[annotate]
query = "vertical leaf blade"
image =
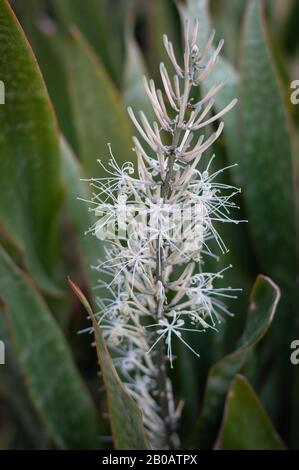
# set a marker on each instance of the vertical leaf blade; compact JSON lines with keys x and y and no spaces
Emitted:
{"x":102,"y":26}
{"x":246,"y":425}
{"x":223,"y":70}
{"x":263,"y":303}
{"x":98,"y":111}
{"x":125,"y":417}
{"x":53,"y":382}
{"x":29,"y":163}
{"x":267,"y":154}
{"x":135,"y":69}
{"x":90,"y":248}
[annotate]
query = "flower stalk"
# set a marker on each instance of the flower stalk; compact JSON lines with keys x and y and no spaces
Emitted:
{"x":158,"y":228}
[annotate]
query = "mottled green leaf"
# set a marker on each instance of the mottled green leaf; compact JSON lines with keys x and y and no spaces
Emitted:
{"x":125,"y":417}
{"x":46,"y":40}
{"x":227,"y":151}
{"x":222,"y":71}
{"x":135,"y":69}
{"x":246,"y":425}
{"x":90,"y":17}
{"x":161,"y":18}
{"x":15,"y":400}
{"x":29,"y":162}
{"x":227,"y":17}
{"x":90,"y":248}
{"x":269,"y":198}
{"x":263,"y":303}
{"x":99,"y":115}
{"x":53,"y":382}
{"x":266,"y":154}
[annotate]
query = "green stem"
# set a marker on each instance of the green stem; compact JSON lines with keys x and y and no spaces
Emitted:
{"x":171,"y":440}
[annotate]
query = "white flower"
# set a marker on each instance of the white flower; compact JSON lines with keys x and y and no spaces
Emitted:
{"x":158,"y":224}
{"x":167,"y":328}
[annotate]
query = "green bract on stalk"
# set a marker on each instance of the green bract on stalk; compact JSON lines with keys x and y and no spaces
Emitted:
{"x":158,"y":227}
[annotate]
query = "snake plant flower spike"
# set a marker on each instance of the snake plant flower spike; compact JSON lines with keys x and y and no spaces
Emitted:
{"x":160,"y":222}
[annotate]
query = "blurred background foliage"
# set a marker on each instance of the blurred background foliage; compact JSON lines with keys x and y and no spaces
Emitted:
{"x":68,"y":80}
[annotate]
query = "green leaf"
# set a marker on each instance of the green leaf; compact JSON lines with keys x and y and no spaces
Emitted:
{"x":227,"y":18}
{"x":246,"y":425}
{"x":259,"y":140}
{"x":29,"y":164}
{"x":15,"y":400}
{"x":227,"y":152}
{"x":267,"y":154}
{"x":269,"y":197}
{"x":290,"y":28}
{"x":126,"y":421}
{"x":90,"y":248}
{"x":135,"y":68}
{"x":295,"y":409}
{"x":223,"y":70}
{"x":53,"y":382}
{"x":263,"y":302}
{"x":98,"y":112}
{"x":161,"y":18}
{"x":46,"y":40}
{"x":91,"y":19}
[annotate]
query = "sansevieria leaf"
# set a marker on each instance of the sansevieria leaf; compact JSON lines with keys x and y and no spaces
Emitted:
{"x":99,"y":115}
{"x":135,"y":69}
{"x":263,"y":303}
{"x":223,"y":71}
{"x":90,"y":248}
{"x":125,"y":417}
{"x":246,"y":425}
{"x":101,"y":25}
{"x":20,"y":407}
{"x":268,"y":191}
{"x":29,"y":153}
{"x":267,"y":154}
{"x":51,"y":377}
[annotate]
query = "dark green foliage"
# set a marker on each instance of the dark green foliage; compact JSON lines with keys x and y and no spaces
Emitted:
{"x":90,"y":57}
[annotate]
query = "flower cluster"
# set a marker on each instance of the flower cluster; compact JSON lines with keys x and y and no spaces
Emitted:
{"x":158,"y":220}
